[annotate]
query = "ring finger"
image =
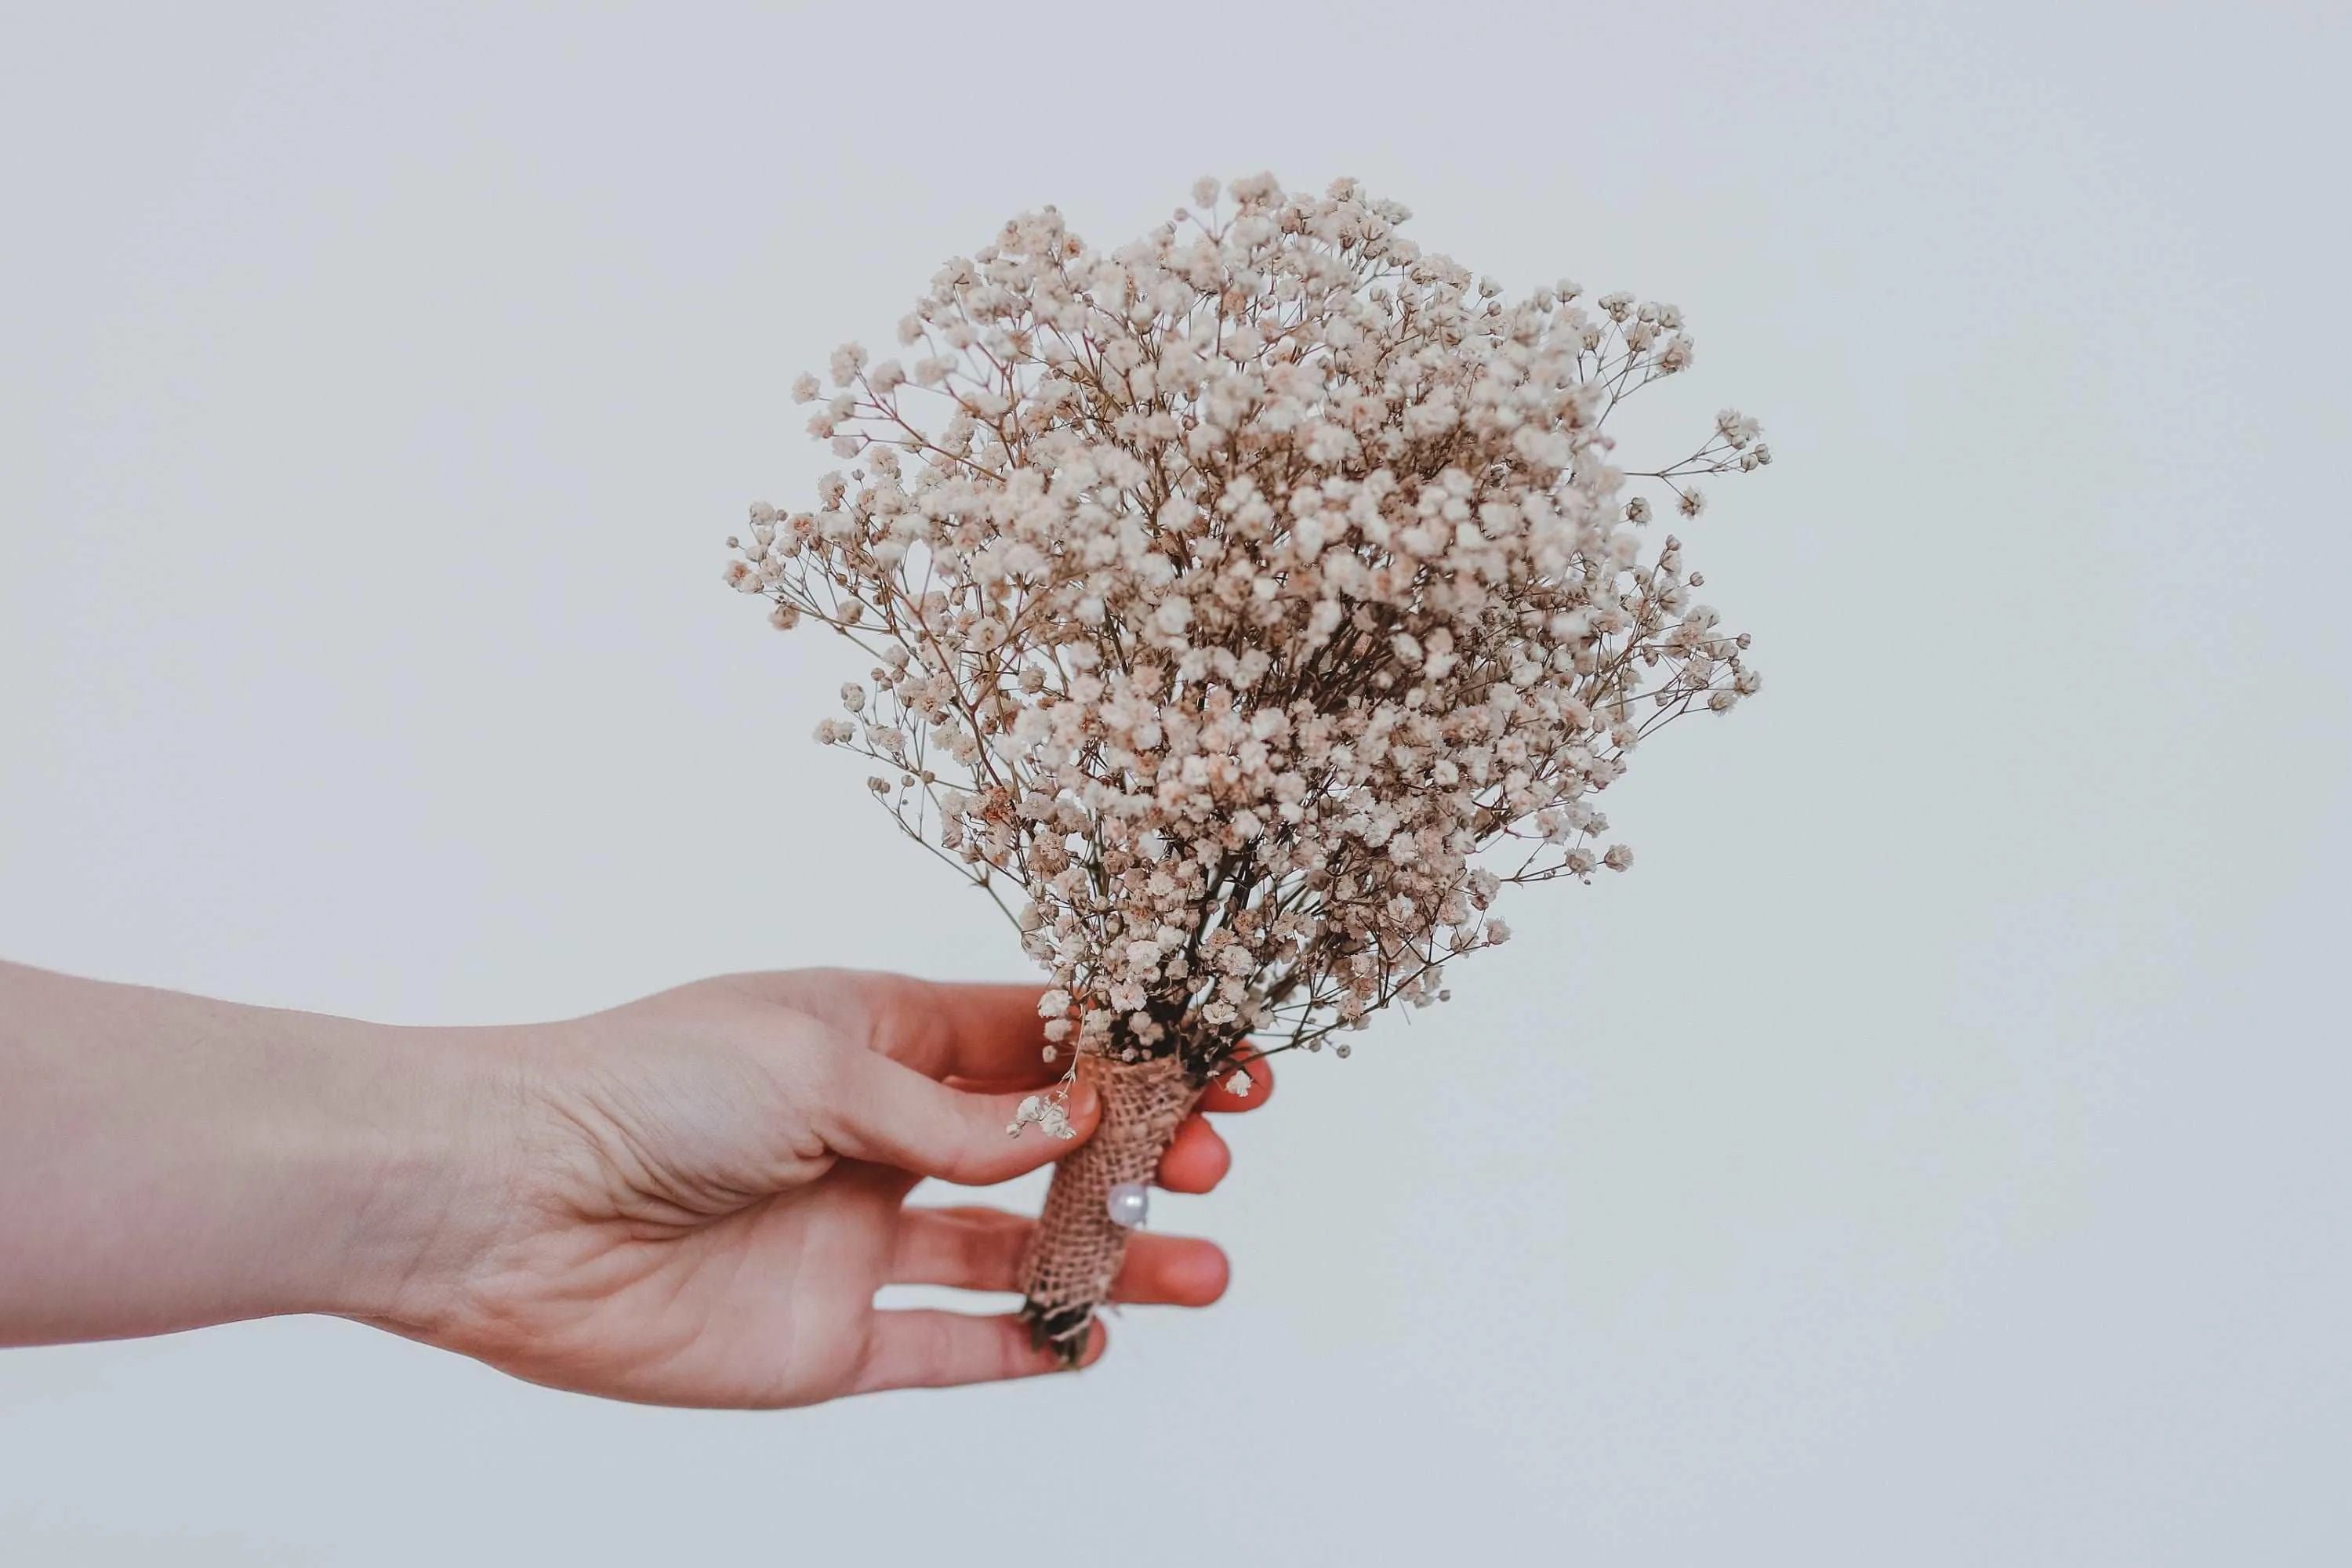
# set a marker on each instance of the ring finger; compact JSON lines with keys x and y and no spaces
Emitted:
{"x":975,"y":1248}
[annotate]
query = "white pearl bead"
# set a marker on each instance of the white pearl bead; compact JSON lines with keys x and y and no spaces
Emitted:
{"x":1128,"y":1203}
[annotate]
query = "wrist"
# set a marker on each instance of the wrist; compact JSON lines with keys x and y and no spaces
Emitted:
{"x":434,"y":1183}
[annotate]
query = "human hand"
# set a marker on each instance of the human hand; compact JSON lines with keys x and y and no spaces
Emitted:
{"x":699,"y":1193}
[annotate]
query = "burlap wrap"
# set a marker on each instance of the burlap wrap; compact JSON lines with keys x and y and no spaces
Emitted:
{"x":1075,"y":1252}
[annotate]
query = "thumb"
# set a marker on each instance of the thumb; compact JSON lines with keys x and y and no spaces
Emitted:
{"x":877,"y":1109}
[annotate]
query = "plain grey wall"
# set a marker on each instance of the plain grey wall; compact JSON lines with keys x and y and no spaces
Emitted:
{"x":1934,"y":1153}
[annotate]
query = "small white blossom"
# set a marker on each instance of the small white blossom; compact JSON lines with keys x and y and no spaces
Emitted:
{"x":1047,"y":1112}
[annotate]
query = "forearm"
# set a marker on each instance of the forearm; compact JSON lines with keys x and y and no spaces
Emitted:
{"x":167,"y":1161}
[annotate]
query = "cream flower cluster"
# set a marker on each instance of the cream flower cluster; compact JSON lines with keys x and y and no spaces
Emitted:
{"x":1249,"y":605}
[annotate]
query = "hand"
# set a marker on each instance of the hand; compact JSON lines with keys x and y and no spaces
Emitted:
{"x":704,"y":1190}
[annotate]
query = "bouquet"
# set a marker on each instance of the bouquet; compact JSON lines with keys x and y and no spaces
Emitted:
{"x":1245,"y":607}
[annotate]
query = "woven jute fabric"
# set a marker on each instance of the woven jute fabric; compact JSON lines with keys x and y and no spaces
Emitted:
{"x":1075,"y":1252}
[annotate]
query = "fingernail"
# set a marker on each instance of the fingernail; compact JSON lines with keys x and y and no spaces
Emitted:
{"x":1084,"y":1099}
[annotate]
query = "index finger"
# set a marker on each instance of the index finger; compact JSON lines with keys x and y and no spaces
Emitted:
{"x":1224,"y":1095}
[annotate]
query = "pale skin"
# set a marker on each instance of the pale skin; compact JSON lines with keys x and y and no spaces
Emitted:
{"x":688,"y":1200}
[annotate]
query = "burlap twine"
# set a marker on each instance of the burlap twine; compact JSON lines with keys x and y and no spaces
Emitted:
{"x":1075,"y":1254}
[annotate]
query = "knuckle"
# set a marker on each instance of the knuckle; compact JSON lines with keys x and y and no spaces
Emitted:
{"x":1002,"y":1248}
{"x":932,"y":1353}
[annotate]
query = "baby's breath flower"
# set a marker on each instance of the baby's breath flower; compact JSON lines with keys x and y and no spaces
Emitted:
{"x":1258,"y":600}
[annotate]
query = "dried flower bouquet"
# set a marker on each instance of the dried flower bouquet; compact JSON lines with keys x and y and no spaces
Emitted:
{"x":1261,"y":599}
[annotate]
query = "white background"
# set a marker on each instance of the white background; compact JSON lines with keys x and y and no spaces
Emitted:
{"x":1933,"y":1152}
